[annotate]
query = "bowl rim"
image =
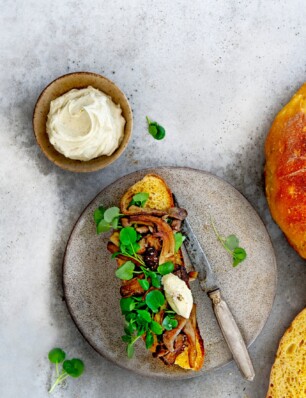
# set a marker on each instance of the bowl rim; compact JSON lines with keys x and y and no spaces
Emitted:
{"x":75,"y":165}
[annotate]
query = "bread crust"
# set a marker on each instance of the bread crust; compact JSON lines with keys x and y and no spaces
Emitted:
{"x":285,"y":170}
{"x":288,"y":373}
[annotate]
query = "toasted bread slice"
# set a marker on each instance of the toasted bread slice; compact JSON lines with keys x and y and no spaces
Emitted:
{"x":288,"y":374}
{"x":160,"y":196}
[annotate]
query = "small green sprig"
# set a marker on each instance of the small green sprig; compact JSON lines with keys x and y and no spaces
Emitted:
{"x":156,"y":130}
{"x":128,"y":244}
{"x":178,"y":239}
{"x":140,"y":199}
{"x":71,"y":367}
{"x":106,"y":219}
{"x":231,"y":245}
{"x":139,"y":316}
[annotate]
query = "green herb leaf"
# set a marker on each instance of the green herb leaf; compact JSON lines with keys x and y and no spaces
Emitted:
{"x":140,"y":199}
{"x":56,"y":355}
{"x":130,"y":350}
{"x":111,"y":213}
{"x":169,"y":323}
{"x":128,"y":235}
{"x":103,"y":226}
{"x":154,"y":300}
{"x":156,"y":130}
{"x":125,"y":272}
{"x":149,"y":340}
{"x":166,"y":268}
{"x":155,"y":279}
{"x":144,"y":314}
{"x":144,"y":284}
{"x":127,"y":304}
{"x":179,"y":239}
{"x":126,"y":338}
{"x":99,"y":214}
{"x":156,"y":327}
{"x":239,"y":255}
{"x":231,"y":242}
{"x":74,"y":367}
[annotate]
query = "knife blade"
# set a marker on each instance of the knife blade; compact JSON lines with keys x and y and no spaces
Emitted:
{"x":198,"y":259}
{"x":208,"y":283}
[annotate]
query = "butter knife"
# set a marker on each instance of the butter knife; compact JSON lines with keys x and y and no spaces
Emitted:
{"x":208,"y":283}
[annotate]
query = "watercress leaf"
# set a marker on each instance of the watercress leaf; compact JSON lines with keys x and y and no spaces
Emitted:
{"x":169,"y":323}
{"x":74,"y":367}
{"x":99,"y":214}
{"x":103,"y":226}
{"x":130,"y":316}
{"x":144,"y":284}
{"x":140,"y":199}
{"x":56,"y":355}
{"x":114,"y":255}
{"x":179,"y":239}
{"x":156,"y":327}
{"x":231,"y":242}
{"x":130,"y":350}
{"x":149,"y":340}
{"x":130,"y":328}
{"x":166,"y":268}
{"x":115,"y":223}
{"x":144,"y":314}
{"x":128,"y":236}
{"x":125,"y":272}
{"x":161,"y":132}
{"x":127,"y":304}
{"x":111,"y":213}
{"x":154,"y":300}
{"x":153,"y":129}
{"x":155,"y":279}
{"x":239,"y":254}
{"x":126,"y":339}
{"x":136,"y":247}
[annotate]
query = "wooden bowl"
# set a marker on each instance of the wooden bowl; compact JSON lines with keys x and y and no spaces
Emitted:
{"x":61,"y":86}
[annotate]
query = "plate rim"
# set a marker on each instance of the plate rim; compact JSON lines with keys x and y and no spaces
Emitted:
{"x":189,"y":375}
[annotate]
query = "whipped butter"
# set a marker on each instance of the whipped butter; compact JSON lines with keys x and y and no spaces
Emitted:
{"x":178,"y":295}
{"x":84,"y":124}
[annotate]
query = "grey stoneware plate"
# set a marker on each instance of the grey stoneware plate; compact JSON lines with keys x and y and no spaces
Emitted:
{"x":92,"y":290}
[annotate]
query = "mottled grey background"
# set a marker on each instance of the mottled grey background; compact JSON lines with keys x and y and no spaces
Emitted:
{"x":214,"y":73}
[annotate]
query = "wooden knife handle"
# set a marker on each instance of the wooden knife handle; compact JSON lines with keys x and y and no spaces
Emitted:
{"x":232,"y":335}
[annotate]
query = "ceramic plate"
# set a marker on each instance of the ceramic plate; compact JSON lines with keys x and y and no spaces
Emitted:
{"x":92,"y":290}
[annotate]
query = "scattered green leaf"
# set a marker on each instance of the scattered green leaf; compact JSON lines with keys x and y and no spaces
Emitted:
{"x":166,"y":268}
{"x":149,"y":340}
{"x":144,"y":283}
{"x":111,"y":213}
{"x":73,"y":367}
{"x":154,"y":300}
{"x":239,"y":255}
{"x":179,"y":239}
{"x":127,"y":304}
{"x":144,"y":314}
{"x":169,"y":322}
{"x":140,"y":199}
{"x":231,"y":245}
{"x":156,"y":327}
{"x":57,"y":355}
{"x":125,"y":272}
{"x":156,"y":130}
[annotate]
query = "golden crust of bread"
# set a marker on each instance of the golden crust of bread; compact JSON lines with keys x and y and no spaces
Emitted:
{"x":160,"y":196}
{"x":288,"y":373}
{"x":285,"y":170}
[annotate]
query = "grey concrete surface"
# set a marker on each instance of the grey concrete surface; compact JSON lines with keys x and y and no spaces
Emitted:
{"x":214,"y":73}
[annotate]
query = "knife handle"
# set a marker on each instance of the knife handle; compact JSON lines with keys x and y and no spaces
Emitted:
{"x":232,"y":335}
